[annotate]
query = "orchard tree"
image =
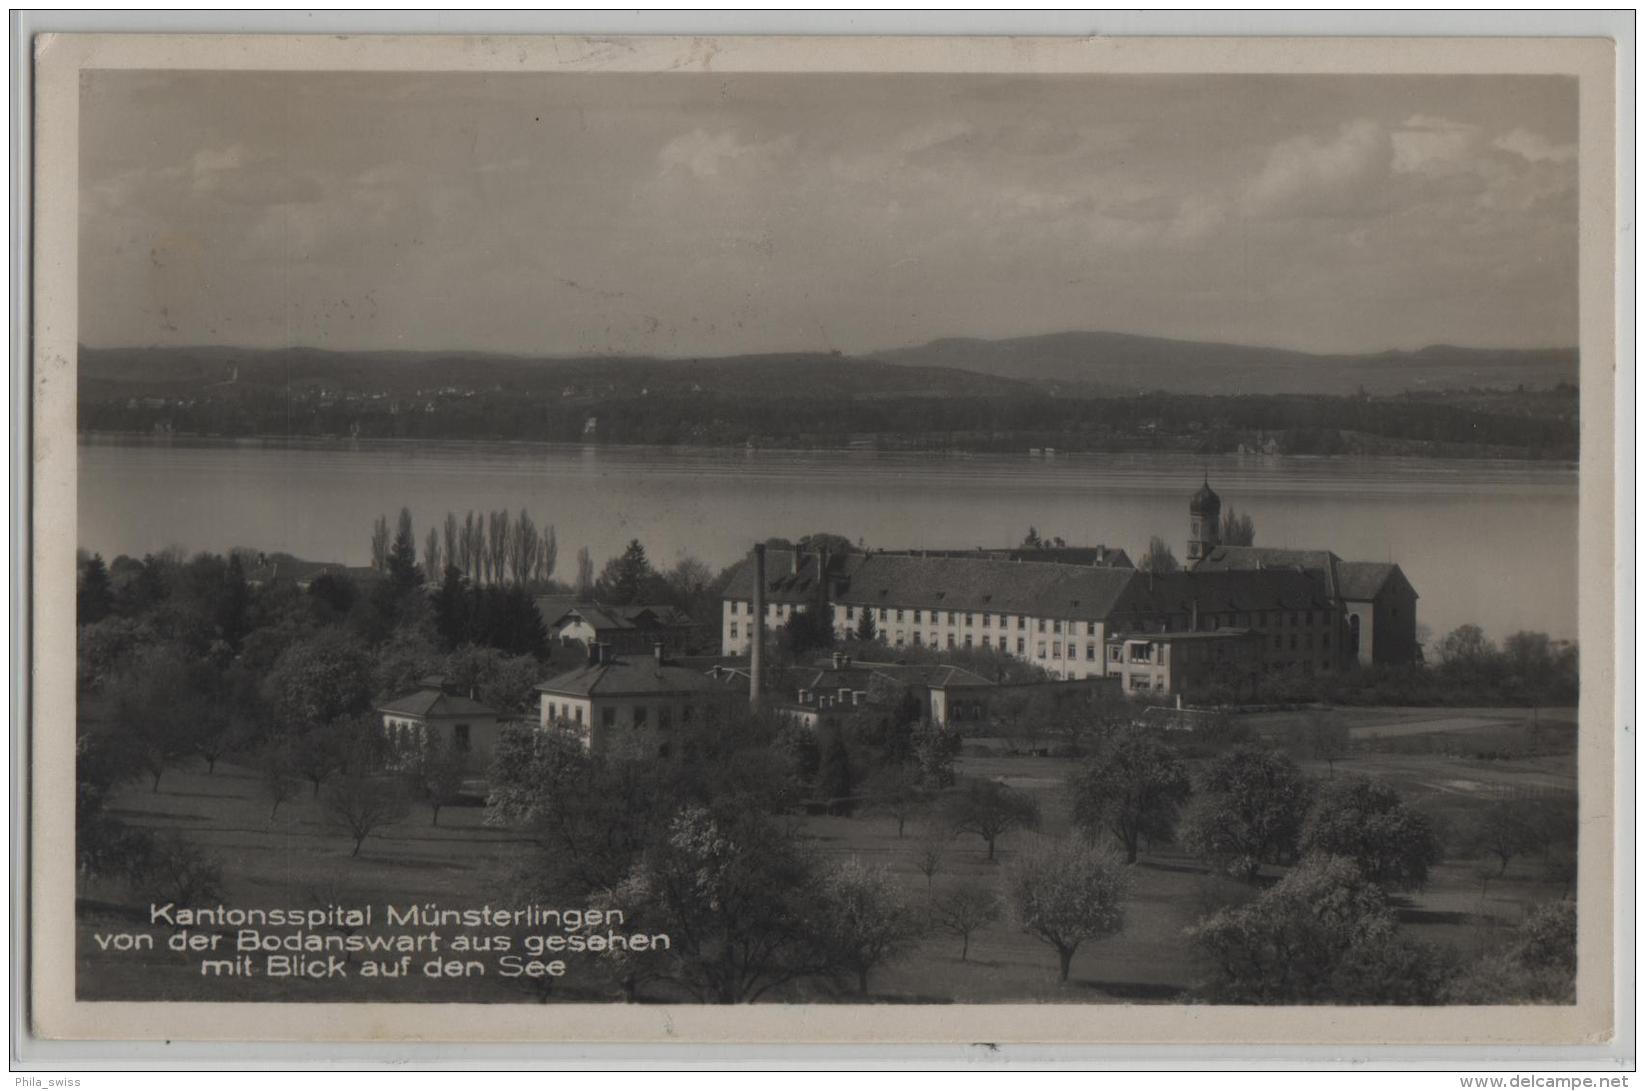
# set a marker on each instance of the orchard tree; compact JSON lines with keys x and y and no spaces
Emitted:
{"x":1366,"y":821}
{"x":1536,"y":966}
{"x":740,"y":899}
{"x":277,"y":775}
{"x":1132,"y":788}
{"x":866,"y":922}
{"x":930,"y":851}
{"x":1321,"y":737}
{"x":359,"y":806}
{"x":1323,"y":934}
{"x":990,"y":810}
{"x":965,"y":910}
{"x":1504,"y":827}
{"x":1248,"y":810}
{"x":1066,"y":893}
{"x":436,"y":773}
{"x":895,"y":791}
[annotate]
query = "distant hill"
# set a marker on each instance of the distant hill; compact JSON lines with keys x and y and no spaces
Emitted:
{"x":144,"y":372}
{"x":1118,"y":363}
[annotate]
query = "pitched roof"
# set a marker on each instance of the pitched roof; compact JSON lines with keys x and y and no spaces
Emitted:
{"x":1362,"y":581}
{"x":968,"y":583}
{"x":1261,"y":558}
{"x":623,"y":676}
{"x":1219,"y":592}
{"x":429,"y":703}
{"x":637,"y":616}
{"x":1359,"y":581}
{"x":1079,"y":556}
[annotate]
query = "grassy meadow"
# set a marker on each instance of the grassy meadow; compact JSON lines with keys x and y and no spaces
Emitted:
{"x":1444,"y":760}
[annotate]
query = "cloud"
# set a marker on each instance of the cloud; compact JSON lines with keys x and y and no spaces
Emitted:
{"x":1309,"y":176}
{"x":1433,"y":144}
{"x":1535,"y":147}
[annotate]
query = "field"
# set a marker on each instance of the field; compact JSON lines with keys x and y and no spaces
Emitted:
{"x":293,"y":859}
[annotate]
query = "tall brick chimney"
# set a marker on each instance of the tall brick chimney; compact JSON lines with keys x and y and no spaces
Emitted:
{"x":756,"y":638}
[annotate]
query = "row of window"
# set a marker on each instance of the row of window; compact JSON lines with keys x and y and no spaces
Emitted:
{"x":638,"y":715}
{"x":937,"y":617}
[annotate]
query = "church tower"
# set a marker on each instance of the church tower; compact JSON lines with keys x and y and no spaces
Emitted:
{"x":1204,"y":523}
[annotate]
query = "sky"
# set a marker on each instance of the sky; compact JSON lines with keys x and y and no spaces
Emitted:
{"x":704,"y":214}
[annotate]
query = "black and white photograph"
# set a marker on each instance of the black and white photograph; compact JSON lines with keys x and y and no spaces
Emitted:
{"x":658,"y":536}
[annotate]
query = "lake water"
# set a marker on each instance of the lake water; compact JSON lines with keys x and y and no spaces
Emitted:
{"x":1492,"y":543}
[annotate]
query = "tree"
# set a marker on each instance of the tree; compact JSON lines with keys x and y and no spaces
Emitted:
{"x":315,"y":756}
{"x":277,"y":774}
{"x":626,"y":576}
{"x":990,"y":809}
{"x":1248,"y":810}
{"x":740,"y":900}
{"x":167,"y":868}
{"x":834,"y":775}
{"x":866,"y":921}
{"x":404,"y":573}
{"x":157,"y":705}
{"x":585,"y":576}
{"x":930,"y":851}
{"x":867,"y":630}
{"x":94,"y":599}
{"x":1065,"y":893}
{"x":806,"y":631}
{"x":319,"y":679}
{"x":436,"y":773}
{"x":894,"y":790}
{"x":360,"y":805}
{"x":1321,"y":737}
{"x":1536,"y":966}
{"x":379,"y":544}
{"x":234,"y":604}
{"x":1133,"y":788}
{"x":453,"y":612}
{"x":1158,"y":558}
{"x":934,"y":749}
{"x":1466,"y":646}
{"x":1505,"y":827}
{"x":1323,"y":934}
{"x":1366,"y":821}
{"x":1237,"y":529}
{"x":433,"y":559}
{"x":548,"y":555}
{"x":965,"y":910}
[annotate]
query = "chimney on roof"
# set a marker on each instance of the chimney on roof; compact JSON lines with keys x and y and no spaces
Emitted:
{"x":593,"y":653}
{"x":794,"y":561}
{"x":839,"y":660}
{"x":756,"y":644}
{"x":657,"y":651}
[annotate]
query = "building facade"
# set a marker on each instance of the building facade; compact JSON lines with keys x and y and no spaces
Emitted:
{"x":1299,"y":610}
{"x":634,"y":706}
{"x":1378,"y":602}
{"x":452,"y":719}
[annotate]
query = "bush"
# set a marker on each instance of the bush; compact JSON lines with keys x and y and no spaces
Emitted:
{"x":167,"y":868}
{"x":1367,"y":822}
{"x":1538,"y":966}
{"x":1323,"y":934}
